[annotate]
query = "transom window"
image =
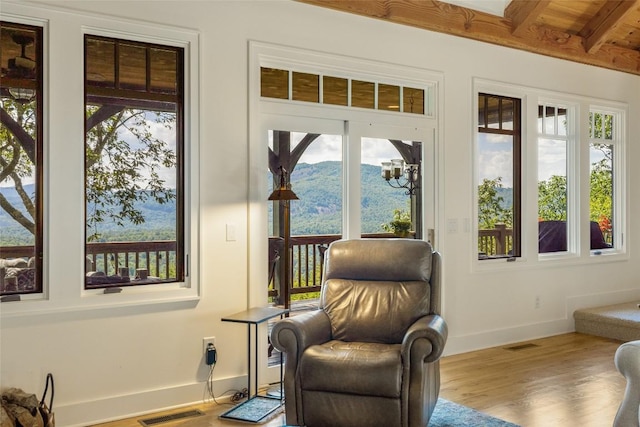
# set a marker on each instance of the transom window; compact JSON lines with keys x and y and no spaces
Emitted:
{"x":326,"y":89}
{"x":134,"y":185}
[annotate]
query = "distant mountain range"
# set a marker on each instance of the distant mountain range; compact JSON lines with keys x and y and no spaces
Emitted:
{"x":318,"y":210}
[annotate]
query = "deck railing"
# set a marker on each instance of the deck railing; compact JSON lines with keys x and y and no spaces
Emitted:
{"x":158,"y":257}
{"x":495,"y":241}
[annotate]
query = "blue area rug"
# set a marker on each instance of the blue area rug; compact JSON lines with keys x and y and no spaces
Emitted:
{"x":450,"y":414}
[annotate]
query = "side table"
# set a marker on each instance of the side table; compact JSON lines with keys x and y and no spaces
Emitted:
{"x":256,"y":407}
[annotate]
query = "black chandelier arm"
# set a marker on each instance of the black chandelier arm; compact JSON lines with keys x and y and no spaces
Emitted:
{"x":411,"y":188}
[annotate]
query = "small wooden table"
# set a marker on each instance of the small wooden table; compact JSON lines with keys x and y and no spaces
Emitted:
{"x":255,"y":408}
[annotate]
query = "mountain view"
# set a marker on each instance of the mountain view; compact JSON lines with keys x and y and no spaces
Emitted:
{"x":318,"y":210}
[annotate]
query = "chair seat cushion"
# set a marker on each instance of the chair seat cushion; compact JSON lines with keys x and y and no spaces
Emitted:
{"x":369,"y":369}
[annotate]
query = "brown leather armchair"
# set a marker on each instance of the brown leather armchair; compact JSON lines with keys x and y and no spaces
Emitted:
{"x":370,"y":355}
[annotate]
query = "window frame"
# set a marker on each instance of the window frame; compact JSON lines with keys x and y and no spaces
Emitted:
{"x":148,"y":100}
{"x":517,"y":134}
{"x":39,"y":28}
{"x":64,"y":271}
{"x":578,"y":179}
{"x":572,"y":178}
{"x":620,"y":176}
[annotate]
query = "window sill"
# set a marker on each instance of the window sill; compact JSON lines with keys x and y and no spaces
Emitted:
{"x":170,"y":297}
{"x":550,"y":260}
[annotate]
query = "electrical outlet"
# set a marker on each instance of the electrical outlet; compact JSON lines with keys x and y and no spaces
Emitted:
{"x":206,"y":341}
{"x":537,"y":301}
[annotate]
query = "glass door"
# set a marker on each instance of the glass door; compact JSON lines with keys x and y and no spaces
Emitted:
{"x":396,"y":189}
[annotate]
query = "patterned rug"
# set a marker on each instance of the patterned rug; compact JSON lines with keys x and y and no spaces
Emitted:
{"x":450,"y":414}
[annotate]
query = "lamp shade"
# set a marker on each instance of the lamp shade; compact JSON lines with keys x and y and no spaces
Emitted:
{"x":283,"y":194}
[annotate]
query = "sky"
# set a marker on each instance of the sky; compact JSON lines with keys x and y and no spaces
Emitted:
{"x":329,"y":148}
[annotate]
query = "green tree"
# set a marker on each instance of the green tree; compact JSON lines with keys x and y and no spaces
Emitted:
{"x":17,"y":158}
{"x":123,"y":159}
{"x":601,"y":195}
{"x":118,"y":173}
{"x":552,"y":199}
{"x":490,"y":205}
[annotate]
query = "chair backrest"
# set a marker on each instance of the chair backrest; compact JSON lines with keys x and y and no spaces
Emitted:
{"x":374,"y":289}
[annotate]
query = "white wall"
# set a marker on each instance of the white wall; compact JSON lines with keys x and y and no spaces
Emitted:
{"x":110,"y":363}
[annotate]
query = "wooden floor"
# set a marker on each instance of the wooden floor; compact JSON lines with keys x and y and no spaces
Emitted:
{"x":565,"y":381}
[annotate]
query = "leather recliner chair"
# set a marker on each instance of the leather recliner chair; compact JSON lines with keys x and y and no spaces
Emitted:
{"x":370,"y":355}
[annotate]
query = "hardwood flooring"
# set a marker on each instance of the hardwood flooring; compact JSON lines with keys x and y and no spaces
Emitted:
{"x":566,"y":380}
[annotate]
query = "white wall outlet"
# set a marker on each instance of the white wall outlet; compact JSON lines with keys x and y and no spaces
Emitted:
{"x":206,"y":342}
{"x":537,"y":301}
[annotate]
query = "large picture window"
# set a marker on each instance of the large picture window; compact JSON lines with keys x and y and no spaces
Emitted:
{"x":134,"y":154}
{"x":559,"y":194}
{"x":21,"y":163}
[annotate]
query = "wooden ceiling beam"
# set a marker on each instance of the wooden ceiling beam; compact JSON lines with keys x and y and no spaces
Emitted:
{"x":597,"y":31}
{"x":524,"y":13}
{"x":446,"y":18}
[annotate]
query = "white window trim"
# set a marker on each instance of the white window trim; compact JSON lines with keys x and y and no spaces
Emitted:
{"x":573,"y":182}
{"x":530,"y":258}
{"x":66,"y":294}
{"x":620,"y":179}
{"x":291,"y":58}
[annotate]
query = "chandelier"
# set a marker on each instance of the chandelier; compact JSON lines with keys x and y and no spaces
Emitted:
{"x":401,"y":175}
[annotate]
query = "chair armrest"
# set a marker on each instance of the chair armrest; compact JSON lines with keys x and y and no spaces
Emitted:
{"x":431,"y":328}
{"x":293,"y":335}
{"x":627,"y":360}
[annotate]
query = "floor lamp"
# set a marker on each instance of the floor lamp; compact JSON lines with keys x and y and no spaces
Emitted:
{"x":284,"y":195}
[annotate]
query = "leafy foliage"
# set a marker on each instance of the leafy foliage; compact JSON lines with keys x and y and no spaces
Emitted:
{"x":17,"y":163}
{"x":123,"y":162}
{"x":401,"y":223}
{"x":123,"y":159}
{"x":552,"y":199}
{"x":492,"y":209}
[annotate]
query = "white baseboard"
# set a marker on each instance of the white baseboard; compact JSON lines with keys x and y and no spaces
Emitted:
{"x":457,"y":344}
{"x":113,"y":408}
{"x":495,"y":338}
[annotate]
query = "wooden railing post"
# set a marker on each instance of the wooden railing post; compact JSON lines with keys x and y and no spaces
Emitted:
{"x":501,"y":239}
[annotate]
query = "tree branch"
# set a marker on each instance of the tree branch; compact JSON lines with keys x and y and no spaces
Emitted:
{"x":24,"y":139}
{"x":102,"y":114}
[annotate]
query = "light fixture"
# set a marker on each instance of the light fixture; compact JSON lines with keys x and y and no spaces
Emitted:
{"x":284,"y":194}
{"x":404,"y":175}
{"x":22,"y":95}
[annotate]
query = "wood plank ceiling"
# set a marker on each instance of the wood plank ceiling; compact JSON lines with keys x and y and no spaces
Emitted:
{"x":603,"y":33}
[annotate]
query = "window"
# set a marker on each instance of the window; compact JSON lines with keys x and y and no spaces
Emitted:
{"x":390,"y":205}
{"x":552,"y":178}
{"x":604,"y":145}
{"x":21,"y":164}
{"x":274,"y":83}
{"x":134,"y":154}
{"x":498,"y":192}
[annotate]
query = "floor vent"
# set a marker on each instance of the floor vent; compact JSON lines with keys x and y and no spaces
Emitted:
{"x":172,"y":417}
{"x":521,"y":347}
